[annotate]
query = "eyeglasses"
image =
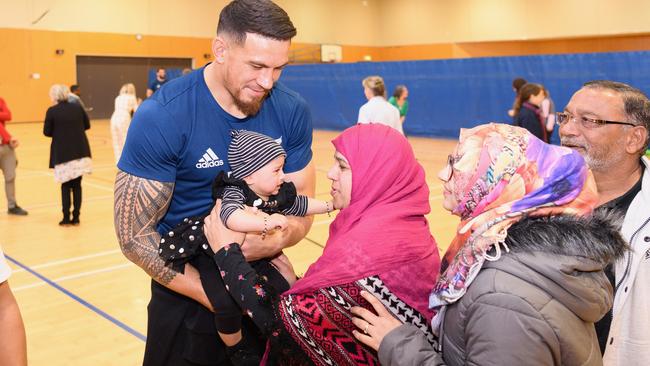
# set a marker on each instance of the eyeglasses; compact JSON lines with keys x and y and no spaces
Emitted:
{"x":586,"y":122}
{"x":450,"y":167}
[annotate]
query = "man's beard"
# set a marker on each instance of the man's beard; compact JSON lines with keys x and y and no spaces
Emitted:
{"x":597,"y":159}
{"x":250,"y":108}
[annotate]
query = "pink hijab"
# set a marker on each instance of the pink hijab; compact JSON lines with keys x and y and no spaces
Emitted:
{"x":383,"y":231}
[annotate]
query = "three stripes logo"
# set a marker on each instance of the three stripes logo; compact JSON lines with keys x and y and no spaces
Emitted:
{"x":209,"y":160}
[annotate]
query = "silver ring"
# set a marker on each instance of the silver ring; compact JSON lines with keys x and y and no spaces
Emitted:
{"x":365,"y":330}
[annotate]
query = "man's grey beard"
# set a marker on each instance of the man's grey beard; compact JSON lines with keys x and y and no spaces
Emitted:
{"x":250,"y":108}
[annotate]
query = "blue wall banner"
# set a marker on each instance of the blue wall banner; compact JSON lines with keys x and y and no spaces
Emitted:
{"x":445,"y":95}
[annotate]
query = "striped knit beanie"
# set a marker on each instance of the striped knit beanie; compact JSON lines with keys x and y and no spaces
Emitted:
{"x":250,"y":151}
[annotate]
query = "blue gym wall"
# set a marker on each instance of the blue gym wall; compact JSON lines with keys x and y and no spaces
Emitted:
{"x":445,"y":95}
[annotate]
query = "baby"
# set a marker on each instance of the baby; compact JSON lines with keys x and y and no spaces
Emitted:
{"x":256,"y":180}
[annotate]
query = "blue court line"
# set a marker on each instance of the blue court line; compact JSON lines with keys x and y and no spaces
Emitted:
{"x":78,"y":299}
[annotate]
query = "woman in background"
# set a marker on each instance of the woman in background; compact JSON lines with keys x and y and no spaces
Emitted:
{"x":378,"y":110}
{"x":527,"y":110}
{"x":66,"y":123}
{"x":548,"y":116}
{"x":125,"y":105}
{"x":400,"y":102}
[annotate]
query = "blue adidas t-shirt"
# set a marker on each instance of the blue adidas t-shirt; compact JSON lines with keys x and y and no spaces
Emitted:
{"x":181,"y":135}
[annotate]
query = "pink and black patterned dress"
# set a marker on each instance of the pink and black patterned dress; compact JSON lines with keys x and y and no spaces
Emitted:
{"x":313,"y":328}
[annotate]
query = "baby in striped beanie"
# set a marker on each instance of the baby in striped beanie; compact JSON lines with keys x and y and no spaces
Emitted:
{"x":256,"y":180}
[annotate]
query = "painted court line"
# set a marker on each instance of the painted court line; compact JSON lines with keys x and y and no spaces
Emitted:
{"x":45,"y":205}
{"x":79,"y":300}
{"x":74,"y":276}
{"x":71,"y":260}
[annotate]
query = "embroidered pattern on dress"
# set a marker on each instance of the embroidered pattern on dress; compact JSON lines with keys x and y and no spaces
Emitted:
{"x":321,"y":322}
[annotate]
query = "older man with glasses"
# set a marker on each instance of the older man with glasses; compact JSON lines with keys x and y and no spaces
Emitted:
{"x":608,"y":123}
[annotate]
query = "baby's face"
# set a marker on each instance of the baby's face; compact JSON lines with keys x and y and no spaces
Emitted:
{"x":267,"y":180}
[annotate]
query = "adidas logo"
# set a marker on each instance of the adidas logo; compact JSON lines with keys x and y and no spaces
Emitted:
{"x":209,"y":160}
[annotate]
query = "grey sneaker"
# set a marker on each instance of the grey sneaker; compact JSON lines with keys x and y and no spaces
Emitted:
{"x":17,"y":211}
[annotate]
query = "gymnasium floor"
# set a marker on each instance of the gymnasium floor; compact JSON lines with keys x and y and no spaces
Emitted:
{"x":82,"y":302}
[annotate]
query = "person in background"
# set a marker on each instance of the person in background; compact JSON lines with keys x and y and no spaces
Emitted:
{"x":607,"y":122}
{"x":66,"y":123}
{"x":75,"y":97}
{"x":547,"y":110}
{"x":517,"y":83}
{"x":13,"y":347}
{"x":377,"y":109}
{"x":126,"y":103}
{"x":400,"y":102}
{"x":527,"y":110}
{"x":523,"y":281}
{"x":8,"y":161}
{"x":161,"y":78}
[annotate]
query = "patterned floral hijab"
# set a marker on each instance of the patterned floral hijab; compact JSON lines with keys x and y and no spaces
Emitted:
{"x":501,"y":174}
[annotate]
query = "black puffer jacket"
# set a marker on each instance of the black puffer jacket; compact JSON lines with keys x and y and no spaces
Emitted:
{"x":534,"y":306}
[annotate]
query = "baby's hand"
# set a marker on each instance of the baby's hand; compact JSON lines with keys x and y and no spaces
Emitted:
{"x":277,"y":221}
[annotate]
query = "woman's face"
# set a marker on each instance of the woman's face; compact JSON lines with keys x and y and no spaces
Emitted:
{"x":341,"y":176}
{"x":446,"y":175}
{"x":537,"y":99}
{"x":405,"y":94}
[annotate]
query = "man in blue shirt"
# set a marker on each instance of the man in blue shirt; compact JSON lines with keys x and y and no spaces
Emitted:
{"x":156,"y":83}
{"x":176,"y":145}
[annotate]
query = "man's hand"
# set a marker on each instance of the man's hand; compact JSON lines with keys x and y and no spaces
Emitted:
{"x":201,"y":297}
{"x":284,"y":266}
{"x":14,"y":143}
{"x":276,"y":221}
{"x":217,"y":233}
{"x":255,"y":247}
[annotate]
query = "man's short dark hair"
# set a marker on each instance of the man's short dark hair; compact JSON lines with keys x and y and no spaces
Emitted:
{"x":74,"y":88}
{"x":261,"y":17}
{"x":635,"y":103}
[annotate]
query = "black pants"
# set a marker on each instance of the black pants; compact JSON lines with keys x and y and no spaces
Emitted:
{"x":74,"y":187}
{"x":228,"y":315}
{"x":181,"y":332}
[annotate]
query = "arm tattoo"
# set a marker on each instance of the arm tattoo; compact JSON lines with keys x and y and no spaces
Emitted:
{"x":139,"y":205}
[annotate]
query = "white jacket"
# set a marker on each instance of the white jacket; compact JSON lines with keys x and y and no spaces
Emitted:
{"x":378,"y":110}
{"x":629,"y":336}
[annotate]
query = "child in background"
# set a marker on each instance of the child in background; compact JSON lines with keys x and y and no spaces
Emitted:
{"x":255,"y":180}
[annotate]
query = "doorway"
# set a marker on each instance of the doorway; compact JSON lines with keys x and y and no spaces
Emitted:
{"x":100,"y":78}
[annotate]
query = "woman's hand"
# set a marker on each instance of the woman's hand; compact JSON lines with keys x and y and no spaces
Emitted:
{"x":217,"y":233}
{"x":373,"y":327}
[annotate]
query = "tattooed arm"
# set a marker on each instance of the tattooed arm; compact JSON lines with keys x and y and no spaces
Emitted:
{"x":139,"y":205}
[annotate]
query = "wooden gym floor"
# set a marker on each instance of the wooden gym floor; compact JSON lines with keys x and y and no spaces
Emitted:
{"x":82,"y":302}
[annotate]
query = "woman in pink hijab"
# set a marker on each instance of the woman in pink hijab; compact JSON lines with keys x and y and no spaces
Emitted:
{"x":379,"y":243}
